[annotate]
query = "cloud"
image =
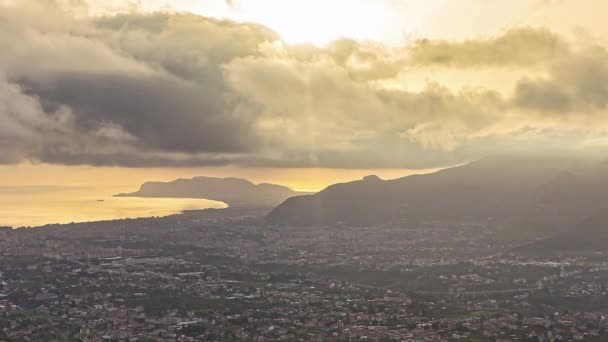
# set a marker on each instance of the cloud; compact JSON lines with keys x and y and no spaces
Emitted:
{"x":575,"y":85}
{"x":135,"y":74}
{"x":232,"y":4}
{"x":175,"y":89}
{"x":159,"y":112}
{"x":519,"y":47}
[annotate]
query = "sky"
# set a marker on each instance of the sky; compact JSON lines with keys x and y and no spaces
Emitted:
{"x":302,"y":92}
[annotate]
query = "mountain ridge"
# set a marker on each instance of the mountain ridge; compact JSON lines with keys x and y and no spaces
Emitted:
{"x":236,"y":192}
{"x":521,"y":193}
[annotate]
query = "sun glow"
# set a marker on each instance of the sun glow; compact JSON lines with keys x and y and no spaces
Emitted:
{"x":315,"y":22}
{"x":320,"y":21}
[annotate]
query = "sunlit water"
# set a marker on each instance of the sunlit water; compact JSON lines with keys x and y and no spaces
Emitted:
{"x":35,"y":206}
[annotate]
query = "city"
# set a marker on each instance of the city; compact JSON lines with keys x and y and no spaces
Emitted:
{"x":218,"y":276}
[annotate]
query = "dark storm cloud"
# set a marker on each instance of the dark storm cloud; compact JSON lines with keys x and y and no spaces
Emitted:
{"x":160,"y":91}
{"x":160,"y":112}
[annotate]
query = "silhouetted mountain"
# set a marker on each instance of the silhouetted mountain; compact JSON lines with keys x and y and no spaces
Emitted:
{"x":525,"y":194}
{"x":235,"y":192}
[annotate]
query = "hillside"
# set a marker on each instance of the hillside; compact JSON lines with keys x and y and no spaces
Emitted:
{"x":589,"y":236}
{"x":525,"y":193}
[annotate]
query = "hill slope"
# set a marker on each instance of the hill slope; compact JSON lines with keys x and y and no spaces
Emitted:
{"x":523,"y":192}
{"x":589,"y":236}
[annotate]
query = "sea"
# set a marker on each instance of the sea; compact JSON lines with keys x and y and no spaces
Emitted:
{"x":31,"y":206}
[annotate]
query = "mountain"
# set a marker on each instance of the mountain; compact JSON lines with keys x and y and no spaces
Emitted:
{"x":235,"y":192}
{"x":524,"y":193}
{"x":589,"y":236}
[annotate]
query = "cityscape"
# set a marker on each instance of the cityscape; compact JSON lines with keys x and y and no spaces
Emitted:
{"x":229,"y":277}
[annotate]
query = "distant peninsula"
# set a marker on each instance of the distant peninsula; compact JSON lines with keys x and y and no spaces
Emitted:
{"x":235,"y":192}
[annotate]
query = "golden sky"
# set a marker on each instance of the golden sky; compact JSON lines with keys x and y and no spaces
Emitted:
{"x":389,"y":21}
{"x":113,"y":180}
{"x":302,"y":92}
